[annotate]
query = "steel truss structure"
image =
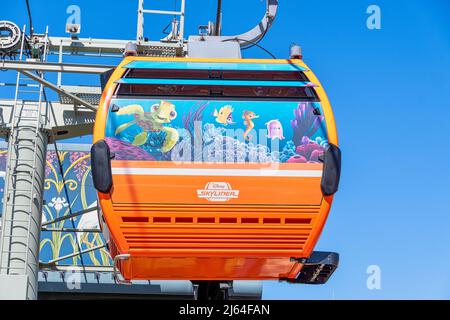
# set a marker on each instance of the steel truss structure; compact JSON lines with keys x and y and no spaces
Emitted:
{"x":29,"y":122}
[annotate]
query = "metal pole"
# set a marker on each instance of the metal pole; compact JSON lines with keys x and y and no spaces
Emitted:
{"x":71,"y":230}
{"x":39,"y":66}
{"x":73,"y":215}
{"x":218,"y":18}
{"x":183,"y":8}
{"x":76,"y":254}
{"x":60,"y":59}
{"x":24,"y":191}
{"x":22,"y":217}
{"x":140,"y":23}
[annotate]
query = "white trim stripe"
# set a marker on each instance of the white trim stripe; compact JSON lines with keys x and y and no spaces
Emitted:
{"x":218,"y":172}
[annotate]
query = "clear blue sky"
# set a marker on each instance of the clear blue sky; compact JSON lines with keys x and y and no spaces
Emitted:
{"x":390,"y":90}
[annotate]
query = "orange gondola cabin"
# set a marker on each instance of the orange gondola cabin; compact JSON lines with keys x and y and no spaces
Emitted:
{"x":214,"y":169}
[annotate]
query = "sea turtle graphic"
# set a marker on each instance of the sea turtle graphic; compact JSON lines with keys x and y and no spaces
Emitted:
{"x":153,"y":121}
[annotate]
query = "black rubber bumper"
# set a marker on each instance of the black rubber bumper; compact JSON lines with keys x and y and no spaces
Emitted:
{"x":331,"y":170}
{"x":101,"y":166}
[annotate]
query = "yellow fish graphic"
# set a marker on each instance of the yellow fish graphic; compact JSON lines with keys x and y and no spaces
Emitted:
{"x":224,"y":115}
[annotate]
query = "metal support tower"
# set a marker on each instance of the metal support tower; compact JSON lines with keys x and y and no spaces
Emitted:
{"x":21,"y":225}
{"x":178,"y":35}
{"x":29,"y":123}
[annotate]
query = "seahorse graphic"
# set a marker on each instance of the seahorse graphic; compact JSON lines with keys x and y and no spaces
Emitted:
{"x":249,"y":116}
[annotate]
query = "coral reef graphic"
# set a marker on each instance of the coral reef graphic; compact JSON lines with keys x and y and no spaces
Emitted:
{"x":304,"y":148}
{"x":210,"y":132}
{"x":222,"y":148}
{"x":126,"y":151}
{"x":308,"y":151}
{"x":311,"y":151}
{"x":195,"y":114}
{"x":287,"y":152}
{"x":305,"y":123}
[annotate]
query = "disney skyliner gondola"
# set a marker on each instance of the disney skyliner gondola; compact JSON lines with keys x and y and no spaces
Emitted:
{"x":214,"y":168}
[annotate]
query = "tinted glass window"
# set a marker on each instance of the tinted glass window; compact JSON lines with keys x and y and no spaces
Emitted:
{"x":215,"y":74}
{"x":299,"y":93}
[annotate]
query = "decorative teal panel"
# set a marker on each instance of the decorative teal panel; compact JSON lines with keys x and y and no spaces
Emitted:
{"x":67,"y":190}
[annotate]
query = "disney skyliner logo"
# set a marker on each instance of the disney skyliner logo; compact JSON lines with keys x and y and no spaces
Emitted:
{"x":218,"y":192}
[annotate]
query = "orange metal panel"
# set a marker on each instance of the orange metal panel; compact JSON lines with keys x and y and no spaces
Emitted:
{"x":183,"y":190}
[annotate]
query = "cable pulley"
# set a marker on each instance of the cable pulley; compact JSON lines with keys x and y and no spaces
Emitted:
{"x":10,"y":36}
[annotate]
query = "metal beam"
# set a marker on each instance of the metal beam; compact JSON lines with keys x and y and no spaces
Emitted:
{"x":43,"y":266}
{"x":71,"y":230}
{"x":95,"y":283}
{"x":68,"y":44}
{"x":53,"y":67}
{"x":170,"y":13}
{"x":98,"y":282}
{"x":50,"y":85}
{"x":68,"y":256}
{"x":64,"y":121}
{"x":108,"y":46}
{"x":69,"y":216}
